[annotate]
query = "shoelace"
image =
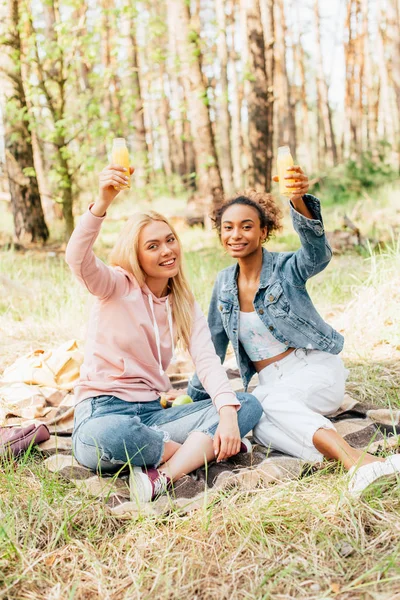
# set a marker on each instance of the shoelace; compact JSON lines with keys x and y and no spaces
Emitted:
{"x":160,"y":485}
{"x":157,"y":332}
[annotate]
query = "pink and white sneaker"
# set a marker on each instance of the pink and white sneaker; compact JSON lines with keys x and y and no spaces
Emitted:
{"x":146,"y":485}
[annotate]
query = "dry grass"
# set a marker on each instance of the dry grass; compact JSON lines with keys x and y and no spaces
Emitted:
{"x":299,"y":539}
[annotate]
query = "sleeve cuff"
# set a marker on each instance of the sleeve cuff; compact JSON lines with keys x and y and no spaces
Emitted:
{"x":89,"y":221}
{"x":314,"y":206}
{"x":226,"y":399}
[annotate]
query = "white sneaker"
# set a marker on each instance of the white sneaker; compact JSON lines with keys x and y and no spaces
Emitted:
{"x":363,"y":477}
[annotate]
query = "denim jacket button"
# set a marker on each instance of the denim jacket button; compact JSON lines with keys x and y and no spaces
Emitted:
{"x":271,"y":298}
{"x":261,"y":312}
{"x":270,"y":328}
{"x":220,"y":307}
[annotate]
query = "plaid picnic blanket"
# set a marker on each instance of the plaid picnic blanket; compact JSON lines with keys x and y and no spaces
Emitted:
{"x":38,"y":389}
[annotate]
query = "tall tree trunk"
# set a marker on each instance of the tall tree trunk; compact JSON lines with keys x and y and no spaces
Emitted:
{"x":394,"y":24}
{"x":223,"y":121}
{"x":111,"y":81}
{"x":177,"y":101}
{"x":55,"y":96}
{"x":269,"y":43}
{"x":394,"y":11}
{"x":285,"y":108}
{"x":300,"y":69}
{"x":189,"y":152}
{"x":259,"y":117}
{"x":347,"y":148}
{"x":140,"y":146}
{"x":236,"y":133}
{"x":209,"y":182}
{"x":29,"y":222}
{"x":244,"y":90}
{"x":368,"y":81}
{"x":50,"y":208}
{"x":322,"y":89}
{"x":165,"y":129}
{"x":385,"y":122}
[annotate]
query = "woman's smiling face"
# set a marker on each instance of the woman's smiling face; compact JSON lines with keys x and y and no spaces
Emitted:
{"x":159,"y":252}
{"x":241,"y":231}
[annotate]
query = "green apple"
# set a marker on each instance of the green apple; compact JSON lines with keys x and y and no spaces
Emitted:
{"x":181,"y":400}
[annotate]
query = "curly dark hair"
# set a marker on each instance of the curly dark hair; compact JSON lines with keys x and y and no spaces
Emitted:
{"x":269,"y":212}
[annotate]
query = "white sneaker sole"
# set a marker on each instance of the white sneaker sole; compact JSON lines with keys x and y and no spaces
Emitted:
{"x":382,"y":474}
{"x":140,"y":487}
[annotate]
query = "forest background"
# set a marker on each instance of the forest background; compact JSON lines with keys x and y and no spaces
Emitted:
{"x":204,"y":92}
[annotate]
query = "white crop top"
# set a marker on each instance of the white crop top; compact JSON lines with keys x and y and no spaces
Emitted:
{"x":256,"y":339}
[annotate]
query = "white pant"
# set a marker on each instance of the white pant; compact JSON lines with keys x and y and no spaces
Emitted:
{"x":296,"y":392}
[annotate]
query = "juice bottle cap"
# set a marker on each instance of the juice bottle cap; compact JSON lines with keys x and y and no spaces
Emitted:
{"x":119,"y":142}
{"x":283,"y":150}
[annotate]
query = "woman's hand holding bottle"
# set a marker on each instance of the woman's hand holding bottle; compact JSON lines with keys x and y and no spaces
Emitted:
{"x":111,"y":180}
{"x":297,"y":182}
{"x":293,"y":183}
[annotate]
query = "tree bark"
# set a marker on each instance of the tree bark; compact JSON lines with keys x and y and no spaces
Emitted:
{"x":244,"y":92}
{"x":223,"y":122}
{"x":52,"y":82}
{"x":385,"y":120}
{"x":111,"y":82}
{"x":208,"y":178}
{"x":29,"y":222}
{"x":368,"y":82}
{"x":177,"y":100}
{"x":269,"y":43}
{"x":285,"y":108}
{"x":322,"y":89}
{"x":236,"y":126}
{"x":260,"y":134}
{"x":140,"y":145}
{"x":300,"y":69}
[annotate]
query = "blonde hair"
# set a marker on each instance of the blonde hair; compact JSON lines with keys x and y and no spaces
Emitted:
{"x":125,"y":255}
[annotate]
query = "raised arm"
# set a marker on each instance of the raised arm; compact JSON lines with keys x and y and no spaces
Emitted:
{"x":315,"y":252}
{"x":100,"y":280}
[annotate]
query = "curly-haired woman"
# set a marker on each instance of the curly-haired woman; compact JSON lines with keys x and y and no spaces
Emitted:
{"x":261,"y":305}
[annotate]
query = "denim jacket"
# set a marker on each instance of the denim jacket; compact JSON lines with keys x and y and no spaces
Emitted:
{"x":281,"y":301}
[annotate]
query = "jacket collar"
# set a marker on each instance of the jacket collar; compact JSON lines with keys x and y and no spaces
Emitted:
{"x":266,"y":272}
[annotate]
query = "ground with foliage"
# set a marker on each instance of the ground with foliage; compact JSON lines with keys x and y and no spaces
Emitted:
{"x":301,"y":539}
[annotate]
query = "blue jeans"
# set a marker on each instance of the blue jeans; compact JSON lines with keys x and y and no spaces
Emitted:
{"x":109,"y":432}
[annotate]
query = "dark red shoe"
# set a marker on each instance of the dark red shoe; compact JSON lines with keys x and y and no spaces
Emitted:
{"x":246,"y":446}
{"x":147,"y":484}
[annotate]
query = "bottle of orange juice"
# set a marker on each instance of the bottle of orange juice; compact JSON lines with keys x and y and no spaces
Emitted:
{"x":120,"y":156}
{"x":284,"y":161}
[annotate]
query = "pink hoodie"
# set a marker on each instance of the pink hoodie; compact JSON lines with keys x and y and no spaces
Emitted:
{"x":129,"y":343}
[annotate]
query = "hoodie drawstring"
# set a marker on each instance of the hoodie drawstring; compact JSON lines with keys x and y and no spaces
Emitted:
{"x":171,"y":329}
{"x":157,"y":331}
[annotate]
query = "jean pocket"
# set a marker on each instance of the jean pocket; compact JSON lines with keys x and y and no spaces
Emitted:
{"x":276,"y":301}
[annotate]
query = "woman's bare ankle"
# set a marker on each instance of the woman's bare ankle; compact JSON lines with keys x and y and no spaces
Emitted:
{"x":169,"y":450}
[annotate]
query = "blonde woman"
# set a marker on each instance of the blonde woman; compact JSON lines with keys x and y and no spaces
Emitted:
{"x":143,"y":308}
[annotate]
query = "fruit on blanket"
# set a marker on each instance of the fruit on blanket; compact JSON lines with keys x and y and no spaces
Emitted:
{"x":181,"y":400}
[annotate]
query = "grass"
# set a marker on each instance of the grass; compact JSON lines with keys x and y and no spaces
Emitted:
{"x":298,"y":539}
